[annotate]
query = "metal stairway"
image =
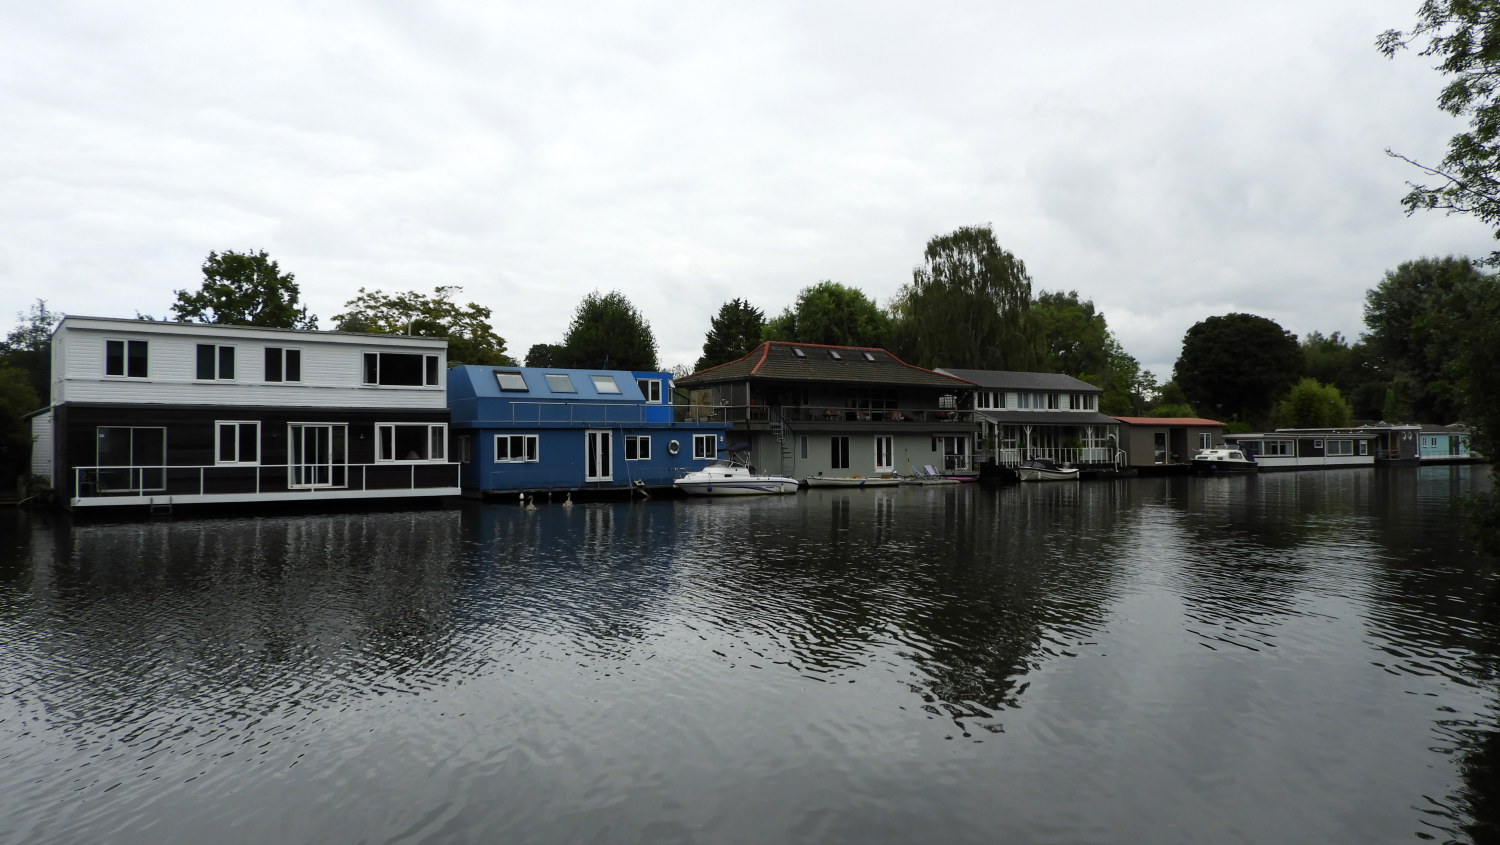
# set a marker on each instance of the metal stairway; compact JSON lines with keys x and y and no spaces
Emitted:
{"x":782,"y":434}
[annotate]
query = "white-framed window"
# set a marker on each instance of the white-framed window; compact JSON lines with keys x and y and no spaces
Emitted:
{"x":637,"y":447}
{"x":705,"y":447}
{"x":1205,"y":440}
{"x":885,"y":453}
{"x":651,"y":389}
{"x":1279,"y":448}
{"x":236,"y":443}
{"x":1364,"y":447}
{"x":283,"y":364}
{"x":516,"y":448}
{"x":317,"y":455}
{"x":1341,"y":447}
{"x":1317,"y":444}
{"x":215,"y":362}
{"x":409,"y":442}
{"x":838,"y":452}
{"x":605,"y":384}
{"x":1023,"y":401}
{"x":126,"y":358}
{"x":401,"y":369}
{"x":1053,"y":400}
{"x":560,"y":383}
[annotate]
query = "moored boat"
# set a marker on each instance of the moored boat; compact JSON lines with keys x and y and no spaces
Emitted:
{"x":726,"y":478}
{"x":1223,"y":459}
{"x":1041,"y":469}
{"x":852,"y":481}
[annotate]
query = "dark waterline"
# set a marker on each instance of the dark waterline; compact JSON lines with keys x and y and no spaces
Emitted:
{"x":1298,"y":657}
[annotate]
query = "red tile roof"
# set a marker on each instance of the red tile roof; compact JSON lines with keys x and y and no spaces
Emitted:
{"x":1199,"y":421}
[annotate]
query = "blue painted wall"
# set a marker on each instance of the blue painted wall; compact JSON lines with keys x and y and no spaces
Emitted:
{"x":560,"y":413}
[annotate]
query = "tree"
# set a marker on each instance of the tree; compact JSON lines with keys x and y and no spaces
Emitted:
{"x":471,"y":339}
{"x":544,"y":355}
{"x":245,"y":289}
{"x":607,"y":332}
{"x":29,"y":347}
{"x":1312,"y":404}
{"x":1076,"y":341}
{"x":832,"y":314}
{"x":17,"y":398}
{"x":1237,"y":365}
{"x":1464,"y":35}
{"x":968,"y":305}
{"x":735,"y":331}
{"x":1418,"y":318}
{"x":1332,"y":360}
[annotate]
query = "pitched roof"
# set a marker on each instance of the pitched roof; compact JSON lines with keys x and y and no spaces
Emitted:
{"x":1009,"y":417}
{"x":1167,"y":421}
{"x":1015,"y":380}
{"x":784,"y":361}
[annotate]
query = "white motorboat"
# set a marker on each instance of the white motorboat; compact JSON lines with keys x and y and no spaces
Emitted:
{"x":1223,"y":459}
{"x":852,"y":481}
{"x":1041,"y":469}
{"x":727,"y":478}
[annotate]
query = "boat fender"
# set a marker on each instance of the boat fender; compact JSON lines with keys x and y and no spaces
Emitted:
{"x":672,"y":447}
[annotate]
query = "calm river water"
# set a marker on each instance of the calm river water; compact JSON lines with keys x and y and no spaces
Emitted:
{"x":1296,"y":657}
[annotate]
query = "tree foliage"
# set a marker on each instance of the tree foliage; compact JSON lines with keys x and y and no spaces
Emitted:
{"x":29,"y":347}
{"x":833,"y":314}
{"x":471,"y":338}
{"x":609,"y":333}
{"x":732,"y":333}
{"x":1312,"y":404}
{"x":1076,"y":341}
{"x":17,"y":398}
{"x":1417,"y":320}
{"x":245,"y":289}
{"x":1464,"y":37}
{"x":544,"y":355}
{"x":1237,"y":366}
{"x":968,"y":305}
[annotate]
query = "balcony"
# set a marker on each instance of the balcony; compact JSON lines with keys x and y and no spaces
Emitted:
{"x":128,"y":485}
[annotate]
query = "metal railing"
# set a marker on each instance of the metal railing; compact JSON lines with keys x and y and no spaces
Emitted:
{"x":239,"y":479}
{"x":817,"y":413}
{"x":1088,"y":455}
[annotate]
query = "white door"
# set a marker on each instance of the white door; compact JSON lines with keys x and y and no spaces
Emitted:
{"x":316,"y":455}
{"x":885,"y":460}
{"x":597,"y":456}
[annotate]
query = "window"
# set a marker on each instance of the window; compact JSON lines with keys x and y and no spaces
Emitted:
{"x":705,"y":447}
{"x":1364,"y":447}
{"x":798,"y":352}
{"x":236,"y":443}
{"x":802,"y":446}
{"x":838,"y":452}
{"x":401,"y":369}
{"x":465,"y":444}
{"x":1341,"y":447}
{"x":1317,"y":444}
{"x":884,"y":454}
{"x":411,"y":442}
{"x":1052,"y":401}
{"x":510,"y":380}
{"x":1279,"y":448}
{"x":1205,"y":440}
{"x":515,"y":448}
{"x":131,"y":458}
{"x":215,"y":362}
{"x":125,"y":358}
{"x":605,"y":384}
{"x":651,"y":389}
{"x":560,"y":383}
{"x":870,"y":356}
{"x":1023,"y":401}
{"x":637,"y":447}
{"x":834,"y":354}
{"x":283,"y":364}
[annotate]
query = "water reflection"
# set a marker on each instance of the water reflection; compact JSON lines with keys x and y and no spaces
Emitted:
{"x":1082,"y":662}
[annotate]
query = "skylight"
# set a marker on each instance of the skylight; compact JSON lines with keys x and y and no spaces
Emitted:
{"x":605,"y":384}
{"x":509,"y":380}
{"x":560,"y":383}
{"x":798,"y":352}
{"x":870,"y":356}
{"x":834,"y":354}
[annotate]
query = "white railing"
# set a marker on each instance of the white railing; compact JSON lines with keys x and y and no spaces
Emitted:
{"x":239,"y":479}
{"x":1062,"y":455}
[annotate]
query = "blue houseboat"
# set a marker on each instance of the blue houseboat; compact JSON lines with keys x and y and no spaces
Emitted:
{"x":541,"y":430}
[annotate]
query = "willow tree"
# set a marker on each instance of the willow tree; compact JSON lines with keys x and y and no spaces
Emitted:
{"x":968,"y":305}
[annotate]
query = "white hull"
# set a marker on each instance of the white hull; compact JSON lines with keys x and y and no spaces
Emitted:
{"x":750,"y":486}
{"x":1034,"y":474}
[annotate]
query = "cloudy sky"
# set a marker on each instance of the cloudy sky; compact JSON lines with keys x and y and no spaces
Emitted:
{"x":1170,"y":161}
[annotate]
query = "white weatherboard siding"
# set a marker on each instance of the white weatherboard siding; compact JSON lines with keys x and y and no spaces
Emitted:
{"x":332,"y":367}
{"x":41,"y":446}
